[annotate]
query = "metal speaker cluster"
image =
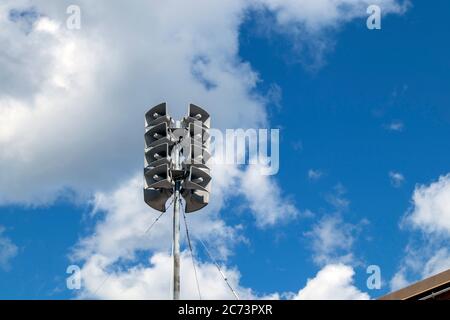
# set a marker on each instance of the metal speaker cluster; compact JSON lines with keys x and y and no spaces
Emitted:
{"x":197,"y":185}
{"x":158,"y":184}
{"x":165,"y":143}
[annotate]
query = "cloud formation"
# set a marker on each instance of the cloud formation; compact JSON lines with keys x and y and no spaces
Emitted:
{"x":152,"y":280}
{"x":396,"y":178}
{"x":8,"y":250}
{"x":72,"y":105}
{"x":315,"y":174}
{"x":72,"y":101}
{"x":333,"y":282}
{"x":431,"y":207}
{"x":426,"y":253}
{"x":332,"y":240}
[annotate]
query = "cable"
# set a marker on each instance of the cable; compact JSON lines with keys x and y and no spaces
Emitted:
{"x":101,"y":285}
{"x":220,"y":270}
{"x":171,"y":279}
{"x":154,"y":222}
{"x":192,"y":253}
{"x":148,"y":230}
{"x":159,"y":217}
{"x":217,"y":266}
{"x":171,"y":202}
{"x":151,"y":226}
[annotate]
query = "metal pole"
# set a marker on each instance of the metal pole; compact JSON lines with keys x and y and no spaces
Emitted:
{"x":176,"y":242}
{"x":176,"y":232}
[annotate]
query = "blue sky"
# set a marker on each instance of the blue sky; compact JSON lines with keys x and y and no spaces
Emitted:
{"x":339,"y":113}
{"x":371,"y":106}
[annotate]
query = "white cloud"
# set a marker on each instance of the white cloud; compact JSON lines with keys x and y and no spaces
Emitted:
{"x":332,"y":240}
{"x":72,"y":101}
{"x":399,"y":281}
{"x":315,"y":174}
{"x":311,"y":23}
{"x":421,"y":261}
{"x":396,"y":179}
{"x":46,"y":25}
{"x":153,"y":280}
{"x":428,"y":253}
{"x":274,"y":96}
{"x":337,"y":198}
{"x":397,"y":126}
{"x":266,"y":200}
{"x":83,"y":107}
{"x":8,"y":250}
{"x":315,"y":15}
{"x":431,"y":207}
{"x":333,"y":282}
{"x":439,"y":262}
{"x":332,"y":237}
